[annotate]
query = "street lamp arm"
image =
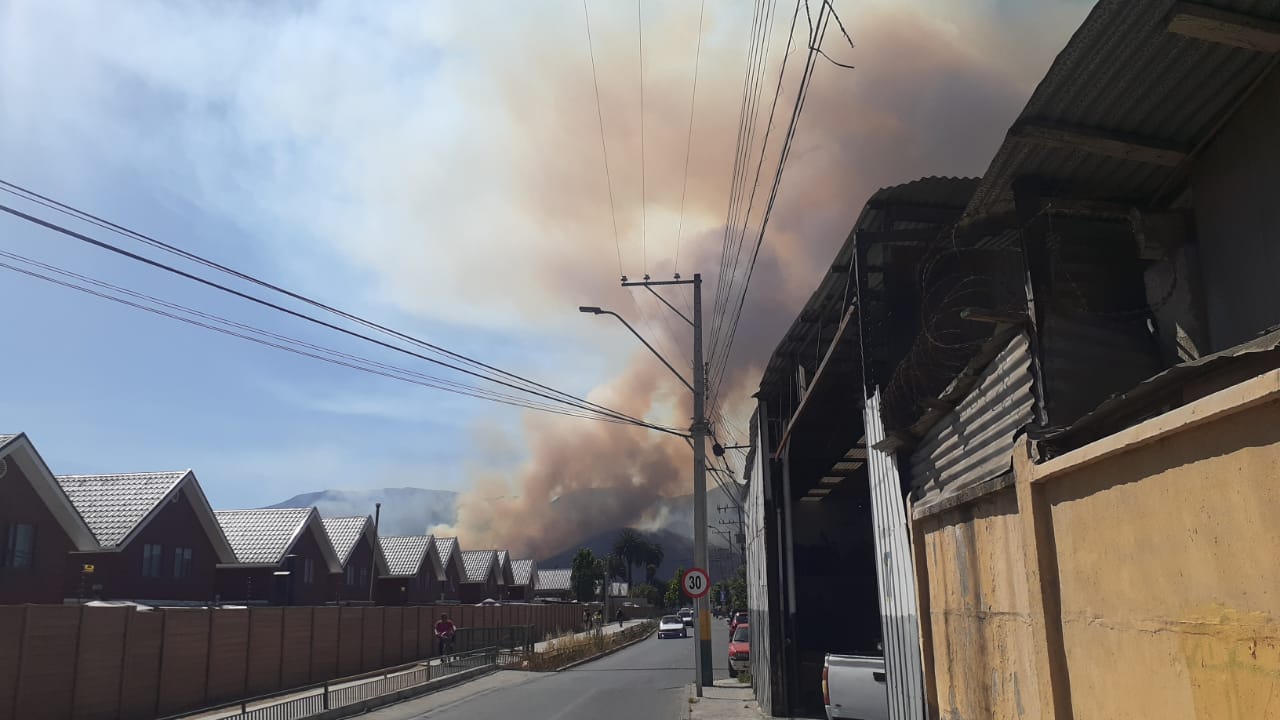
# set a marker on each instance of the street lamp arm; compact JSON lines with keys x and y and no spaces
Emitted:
{"x":600,"y":311}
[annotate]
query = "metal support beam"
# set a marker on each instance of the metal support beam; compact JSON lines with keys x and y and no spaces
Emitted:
{"x":1225,"y":27}
{"x":1100,"y":142}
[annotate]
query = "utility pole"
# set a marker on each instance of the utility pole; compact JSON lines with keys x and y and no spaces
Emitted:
{"x":698,"y":433}
{"x":373,"y":570}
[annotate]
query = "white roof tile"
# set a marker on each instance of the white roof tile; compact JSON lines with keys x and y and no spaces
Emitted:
{"x":345,"y":533}
{"x":522,"y":571}
{"x":445,"y":547}
{"x":261,"y":537}
{"x":477,"y":564}
{"x":113,"y":505}
{"x":405,"y":553}
{"x":555,"y":579}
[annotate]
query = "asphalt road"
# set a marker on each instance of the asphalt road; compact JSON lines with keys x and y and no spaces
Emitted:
{"x":643,"y":682}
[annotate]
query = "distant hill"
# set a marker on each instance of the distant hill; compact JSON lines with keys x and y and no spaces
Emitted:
{"x":405,"y":510}
{"x":677,"y":551}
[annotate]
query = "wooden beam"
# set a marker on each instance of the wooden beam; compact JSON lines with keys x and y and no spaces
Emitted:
{"x":1225,"y":27}
{"x":826,"y":359}
{"x":1100,"y":142}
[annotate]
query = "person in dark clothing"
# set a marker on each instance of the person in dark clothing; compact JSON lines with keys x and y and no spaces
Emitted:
{"x":619,"y":617}
{"x":445,"y":631}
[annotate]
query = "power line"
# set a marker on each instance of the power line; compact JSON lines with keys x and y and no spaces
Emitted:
{"x":815,"y":41}
{"x":79,"y":214}
{"x":688,"y":143}
{"x":604,"y":149}
{"x":276,"y":340}
{"x":564,"y":398}
{"x":644,"y":202}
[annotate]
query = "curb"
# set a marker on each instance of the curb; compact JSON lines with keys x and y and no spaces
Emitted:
{"x":610,"y":651}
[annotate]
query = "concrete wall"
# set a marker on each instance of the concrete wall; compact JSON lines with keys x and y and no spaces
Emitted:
{"x":1133,"y":578}
{"x":1237,"y":216}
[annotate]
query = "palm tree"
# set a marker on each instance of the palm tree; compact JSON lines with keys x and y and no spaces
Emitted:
{"x":629,"y":545}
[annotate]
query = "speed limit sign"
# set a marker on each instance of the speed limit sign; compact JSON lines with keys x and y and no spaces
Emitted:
{"x":695,"y":582}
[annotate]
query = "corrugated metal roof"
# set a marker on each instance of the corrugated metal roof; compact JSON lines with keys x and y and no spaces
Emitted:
{"x":405,"y":553}
{"x":477,"y":565}
{"x":825,"y":304}
{"x":523,"y":571}
{"x":113,"y":505}
{"x":555,"y":580}
{"x":345,"y":532}
{"x":1124,"y":72}
{"x":975,"y":441}
{"x":262,"y":537}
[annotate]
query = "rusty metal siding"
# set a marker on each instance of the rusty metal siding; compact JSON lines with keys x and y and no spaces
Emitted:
{"x":975,"y":441}
{"x":899,"y":615}
{"x":757,"y":541}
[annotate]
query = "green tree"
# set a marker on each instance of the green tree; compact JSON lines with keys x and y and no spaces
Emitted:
{"x":585,"y":574}
{"x":738,"y":589}
{"x":647,"y":592}
{"x":675,"y":594}
{"x":630,"y":546}
{"x":652,"y":559}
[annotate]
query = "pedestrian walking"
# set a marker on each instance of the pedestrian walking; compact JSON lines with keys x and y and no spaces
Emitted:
{"x":620,"y":617}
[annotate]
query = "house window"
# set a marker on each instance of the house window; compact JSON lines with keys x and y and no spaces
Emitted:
{"x":151,"y":560}
{"x":308,"y":571}
{"x":19,"y":549}
{"x":364,"y":577}
{"x":351,"y":575}
{"x":181,"y":562}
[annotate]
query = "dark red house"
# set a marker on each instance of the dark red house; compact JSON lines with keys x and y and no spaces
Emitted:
{"x":355,"y":541}
{"x":482,"y":574}
{"x":414,"y":575}
{"x":283,"y":557}
{"x":523,"y":574}
{"x":158,"y":542}
{"x":454,"y":574}
{"x":38,"y":526}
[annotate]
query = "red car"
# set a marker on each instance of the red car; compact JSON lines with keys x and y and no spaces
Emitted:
{"x":740,"y":648}
{"x":738,"y":619}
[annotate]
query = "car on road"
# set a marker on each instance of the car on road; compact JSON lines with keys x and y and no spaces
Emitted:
{"x":740,"y":649}
{"x":738,"y":619}
{"x":686,"y":614}
{"x":672,"y":626}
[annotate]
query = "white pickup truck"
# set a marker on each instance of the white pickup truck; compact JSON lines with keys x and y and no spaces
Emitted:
{"x":853,"y":687}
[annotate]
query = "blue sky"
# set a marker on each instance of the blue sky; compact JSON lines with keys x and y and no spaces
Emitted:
{"x":435,"y":167}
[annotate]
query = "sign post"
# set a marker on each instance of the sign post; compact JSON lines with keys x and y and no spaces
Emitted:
{"x":696,"y":585}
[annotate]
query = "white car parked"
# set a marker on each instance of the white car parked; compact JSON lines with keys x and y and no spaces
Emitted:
{"x":671,"y":626}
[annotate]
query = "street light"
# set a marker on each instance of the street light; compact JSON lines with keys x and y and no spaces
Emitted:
{"x":698,"y":433}
{"x":592,"y":310}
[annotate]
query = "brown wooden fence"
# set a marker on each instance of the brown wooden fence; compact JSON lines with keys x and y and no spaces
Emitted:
{"x":106,"y":662}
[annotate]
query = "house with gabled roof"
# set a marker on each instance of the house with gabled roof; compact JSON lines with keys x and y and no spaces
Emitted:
{"x":450,"y":554}
{"x":355,"y":541}
{"x":415,"y":575}
{"x":554,"y":583}
{"x":482,"y":576}
{"x":157,"y":539}
{"x":282,"y":556}
{"x":39,"y":526}
{"x":523,"y":575}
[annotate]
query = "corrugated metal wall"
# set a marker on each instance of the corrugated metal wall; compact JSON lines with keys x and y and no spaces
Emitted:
{"x":898,"y":612}
{"x":757,"y":568}
{"x":974,"y":442}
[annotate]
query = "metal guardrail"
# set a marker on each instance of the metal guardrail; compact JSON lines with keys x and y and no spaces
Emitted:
{"x":340,"y":693}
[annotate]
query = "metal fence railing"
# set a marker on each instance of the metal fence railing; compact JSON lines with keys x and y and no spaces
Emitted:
{"x":305,"y":702}
{"x":511,"y":636}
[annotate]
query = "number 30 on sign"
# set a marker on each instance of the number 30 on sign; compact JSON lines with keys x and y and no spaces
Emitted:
{"x":695,"y":582}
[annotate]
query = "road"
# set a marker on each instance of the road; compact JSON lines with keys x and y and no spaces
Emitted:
{"x":643,"y":682}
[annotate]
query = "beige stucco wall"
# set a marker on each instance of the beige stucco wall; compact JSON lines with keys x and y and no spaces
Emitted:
{"x":978,"y":611}
{"x":1145,"y":585}
{"x":1169,"y":565}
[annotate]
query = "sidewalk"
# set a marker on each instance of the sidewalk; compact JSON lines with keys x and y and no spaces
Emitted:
{"x":609,"y":629}
{"x":728,"y":700}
